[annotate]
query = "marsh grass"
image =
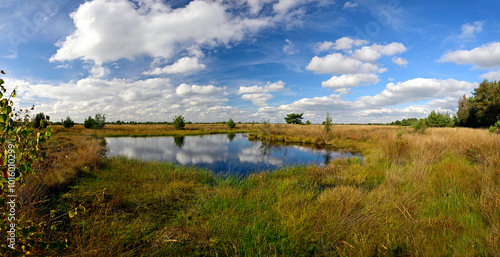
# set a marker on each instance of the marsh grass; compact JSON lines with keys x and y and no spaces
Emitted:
{"x":432,"y":194}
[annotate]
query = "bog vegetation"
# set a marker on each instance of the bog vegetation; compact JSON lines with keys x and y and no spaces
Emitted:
{"x":425,"y":190}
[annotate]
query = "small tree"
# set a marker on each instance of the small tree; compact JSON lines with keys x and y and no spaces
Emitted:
{"x":68,"y":122}
{"x":40,"y":121}
{"x":100,"y":121}
{"x":328,"y":126}
{"x":230,"y":123}
{"x":97,"y":122}
{"x":294,"y":118}
{"x":89,"y":122}
{"x":437,"y":119}
{"x":179,"y":122}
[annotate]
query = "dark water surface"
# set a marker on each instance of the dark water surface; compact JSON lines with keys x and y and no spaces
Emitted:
{"x":221,"y":153}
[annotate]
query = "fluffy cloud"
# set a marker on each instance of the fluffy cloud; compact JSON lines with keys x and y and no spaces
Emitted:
{"x":344,"y":43}
{"x":374,"y":52}
{"x":187,"y":90}
{"x":470,"y":30}
{"x":358,"y":68}
{"x":334,"y":102}
{"x":183,"y":65}
{"x":269,"y":87}
{"x":338,"y":63}
{"x":400,"y":61}
{"x":258,"y":94}
{"x":485,"y":57}
{"x":257,"y":99}
{"x":111,"y":30}
{"x":350,"y":80}
{"x":414,"y":90}
{"x":492,"y":75}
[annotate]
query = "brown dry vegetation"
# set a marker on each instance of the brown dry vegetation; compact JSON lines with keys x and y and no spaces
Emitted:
{"x":111,"y":130}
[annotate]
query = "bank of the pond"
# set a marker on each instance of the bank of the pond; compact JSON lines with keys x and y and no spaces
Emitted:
{"x":152,"y":130}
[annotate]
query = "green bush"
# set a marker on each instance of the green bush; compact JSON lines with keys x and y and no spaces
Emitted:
{"x":419,"y":126}
{"x":68,"y":122}
{"x":230,"y":123}
{"x":97,"y":122}
{"x":437,"y":119}
{"x":495,"y":128}
{"x":40,"y":121}
{"x":179,"y":122}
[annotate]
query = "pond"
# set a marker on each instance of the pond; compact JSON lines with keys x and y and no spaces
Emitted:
{"x":222,"y":153}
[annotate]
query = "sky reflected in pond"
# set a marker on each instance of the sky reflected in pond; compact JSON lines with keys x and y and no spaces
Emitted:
{"x":221,"y":153}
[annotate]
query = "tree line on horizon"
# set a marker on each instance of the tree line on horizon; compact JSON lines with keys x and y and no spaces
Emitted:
{"x":480,"y":110}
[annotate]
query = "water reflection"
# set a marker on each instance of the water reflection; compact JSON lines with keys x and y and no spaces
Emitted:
{"x":179,"y":141}
{"x":231,"y":153}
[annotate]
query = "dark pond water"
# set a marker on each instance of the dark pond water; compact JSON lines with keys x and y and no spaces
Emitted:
{"x":221,"y":153}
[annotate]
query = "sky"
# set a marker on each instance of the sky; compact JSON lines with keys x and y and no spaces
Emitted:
{"x":362,"y":61}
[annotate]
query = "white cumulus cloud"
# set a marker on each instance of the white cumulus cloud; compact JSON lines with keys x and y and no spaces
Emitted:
{"x":185,"y":90}
{"x":418,"y":89}
{"x":485,"y":57}
{"x":259,"y":94}
{"x":400,"y":61}
{"x":183,"y":65}
{"x":109,"y":30}
{"x":259,"y":99}
{"x":350,"y":80}
{"x":269,"y":87}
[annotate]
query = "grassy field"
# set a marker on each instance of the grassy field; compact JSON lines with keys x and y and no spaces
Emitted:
{"x":431,"y":194}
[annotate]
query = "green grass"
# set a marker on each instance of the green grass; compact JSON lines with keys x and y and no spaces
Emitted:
{"x":142,"y":208}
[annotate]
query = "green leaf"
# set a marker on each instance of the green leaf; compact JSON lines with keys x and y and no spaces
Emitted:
{"x":53,"y":228}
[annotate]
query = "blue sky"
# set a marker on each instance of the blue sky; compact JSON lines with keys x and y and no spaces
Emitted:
{"x":150,"y":60}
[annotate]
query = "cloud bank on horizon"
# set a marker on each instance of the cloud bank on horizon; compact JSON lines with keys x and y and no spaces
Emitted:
{"x":210,"y":60}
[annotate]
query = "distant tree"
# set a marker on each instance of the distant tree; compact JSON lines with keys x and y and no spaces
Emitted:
{"x":436,"y":119}
{"x":486,"y":104}
{"x":68,"y":122}
{"x":100,"y":120}
{"x":465,"y":113}
{"x":97,"y":122}
{"x":179,"y":122}
{"x":40,"y":121}
{"x":294,"y":118}
{"x":328,"y":125}
{"x":89,"y":122}
{"x":230,"y":123}
{"x":308,"y":122}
